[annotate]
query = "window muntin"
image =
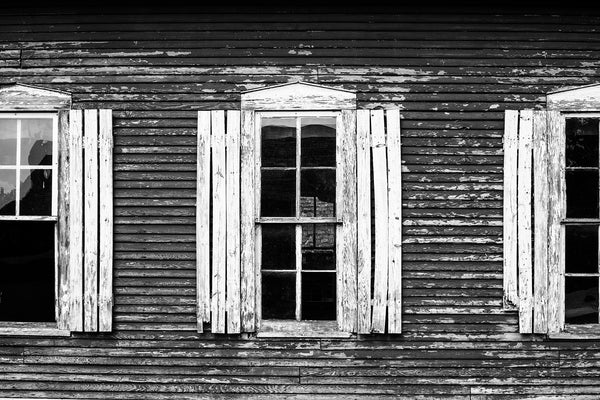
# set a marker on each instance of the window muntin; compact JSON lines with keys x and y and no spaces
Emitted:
{"x":28,"y":216}
{"x":297,"y":176}
{"x":582,"y":273}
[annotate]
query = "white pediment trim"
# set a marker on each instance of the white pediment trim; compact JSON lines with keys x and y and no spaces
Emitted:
{"x":21,"y":97}
{"x":298,"y":96}
{"x":582,"y":98}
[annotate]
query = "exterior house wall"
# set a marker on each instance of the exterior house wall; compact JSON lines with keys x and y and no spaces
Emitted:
{"x":452,"y":76}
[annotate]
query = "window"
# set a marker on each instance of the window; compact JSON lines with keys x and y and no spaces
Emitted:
{"x":284,"y":215}
{"x":551,"y":267}
{"x":55,"y":249}
{"x":297,"y":215}
{"x":28,"y":216}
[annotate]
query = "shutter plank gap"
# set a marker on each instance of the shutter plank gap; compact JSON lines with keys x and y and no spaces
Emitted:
{"x":219,"y":253}
{"x":394,"y":221}
{"x":76,"y":219}
{"x":540,"y":207}
{"x":233,"y":221}
{"x":363,"y":166}
{"x":510,"y":246}
{"x":381,"y":220}
{"x":524,"y":231}
{"x":90,"y":256}
{"x":557,"y":211}
{"x":64,"y":268}
{"x":346,"y":210}
{"x":203,"y":221}
{"x":105,"y":303}
{"x":248,"y":285}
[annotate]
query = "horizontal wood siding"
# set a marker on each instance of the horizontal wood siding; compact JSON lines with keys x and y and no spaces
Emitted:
{"x":451,"y":75}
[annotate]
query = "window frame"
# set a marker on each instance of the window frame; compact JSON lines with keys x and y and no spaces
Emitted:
{"x":25,"y":101}
{"x":291,"y":99}
{"x":567,"y":103}
{"x":302,"y":327}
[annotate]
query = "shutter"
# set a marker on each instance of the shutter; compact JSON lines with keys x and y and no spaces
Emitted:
{"x":532,"y":214}
{"x":85,"y":231}
{"x":218,"y":197}
{"x":379,"y":132}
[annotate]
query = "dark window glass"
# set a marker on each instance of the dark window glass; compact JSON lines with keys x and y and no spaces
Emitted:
{"x":278,"y":193}
{"x":581,"y":249}
{"x":27,"y":271}
{"x":318,"y":295}
{"x":278,"y":246}
{"x":582,"y":142}
{"x":36,"y":192}
{"x":8,"y":179}
{"x":318,"y":142}
{"x":278,"y":142}
{"x":582,"y":194}
{"x":318,"y":247}
{"x":36,"y":142}
{"x":8,"y":141}
{"x":581,"y":300}
{"x":317,"y":188}
{"x":278,"y":295}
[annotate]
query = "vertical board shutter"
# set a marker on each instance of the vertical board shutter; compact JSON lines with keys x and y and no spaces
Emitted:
{"x":533,"y":209}
{"x":218,"y":196}
{"x":379,"y":131}
{"x":85,"y":228}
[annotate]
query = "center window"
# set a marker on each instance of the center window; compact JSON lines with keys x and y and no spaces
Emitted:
{"x":297,"y":209}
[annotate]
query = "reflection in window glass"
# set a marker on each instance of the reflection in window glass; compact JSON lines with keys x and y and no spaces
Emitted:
{"x":278,"y":197}
{"x":318,"y":247}
{"x":317,"y":190}
{"x":318,"y":142}
{"x":581,"y":300}
{"x":8,"y":194}
{"x":8,"y":141}
{"x":278,"y":142}
{"x":36,"y":141}
{"x":36,"y":192}
{"x":27,"y":271}
{"x":582,"y":142}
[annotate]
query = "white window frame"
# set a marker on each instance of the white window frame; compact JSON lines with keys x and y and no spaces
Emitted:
{"x":570,"y":103}
{"x":21,"y":102}
{"x":292,"y":100}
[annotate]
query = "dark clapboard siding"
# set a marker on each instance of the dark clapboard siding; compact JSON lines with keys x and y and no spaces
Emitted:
{"x":452,"y":75}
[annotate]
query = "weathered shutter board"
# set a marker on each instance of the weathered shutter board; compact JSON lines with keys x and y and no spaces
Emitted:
{"x":381,"y":220}
{"x":363,"y":166}
{"x":203,"y":221}
{"x":65,"y":268}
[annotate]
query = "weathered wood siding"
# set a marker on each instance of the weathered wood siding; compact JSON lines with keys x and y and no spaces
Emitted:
{"x":452,"y":76}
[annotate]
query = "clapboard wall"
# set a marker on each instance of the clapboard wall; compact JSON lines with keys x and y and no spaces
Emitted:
{"x":452,"y":76}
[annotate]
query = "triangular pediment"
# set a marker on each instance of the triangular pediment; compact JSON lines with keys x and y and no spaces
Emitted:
{"x":20,"y":97}
{"x":298,"y":96}
{"x":582,"y":98}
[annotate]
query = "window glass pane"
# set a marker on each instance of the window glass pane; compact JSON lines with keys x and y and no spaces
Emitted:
{"x":36,"y":192}
{"x":581,"y":300}
{"x":582,"y":194}
{"x":278,"y":142}
{"x":317,"y":188}
{"x":318,"y":247}
{"x":278,"y":193}
{"x":278,"y":295}
{"x":318,"y":142}
{"x":278,"y":246}
{"x":27,"y":271}
{"x":8,"y":180}
{"x":8,"y":141}
{"x":318,"y":295}
{"x":582,"y":142}
{"x":581,"y":249}
{"x":36,"y":141}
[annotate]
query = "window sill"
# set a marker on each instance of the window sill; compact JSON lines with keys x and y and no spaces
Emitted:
{"x":580,"y":332}
{"x":31,"y":329}
{"x":300,"y":329}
